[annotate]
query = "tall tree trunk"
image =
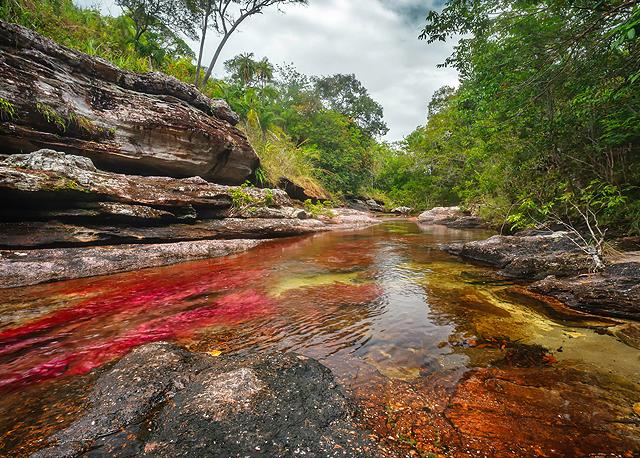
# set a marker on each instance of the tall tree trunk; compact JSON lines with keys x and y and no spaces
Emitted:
{"x":221,"y":45}
{"x":204,"y":35}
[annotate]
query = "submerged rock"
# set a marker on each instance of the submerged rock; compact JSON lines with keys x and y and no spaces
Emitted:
{"x":527,"y":256}
{"x":146,"y":124}
{"x":613,"y":292}
{"x":163,"y":401}
{"x":452,"y":217}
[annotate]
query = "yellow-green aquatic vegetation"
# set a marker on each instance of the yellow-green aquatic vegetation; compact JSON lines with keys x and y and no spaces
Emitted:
{"x":7,"y":110}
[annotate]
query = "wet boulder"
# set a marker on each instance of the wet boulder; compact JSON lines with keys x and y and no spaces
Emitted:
{"x":163,"y":401}
{"x":452,"y":217}
{"x":531,"y":256}
{"x":142,"y":124}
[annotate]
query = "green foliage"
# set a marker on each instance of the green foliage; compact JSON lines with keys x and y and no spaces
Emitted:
{"x":547,"y":114}
{"x":319,"y":209}
{"x":7,"y":110}
{"x":346,"y":95}
{"x":112,"y":38}
{"x":245,"y":202}
{"x":51,"y":116}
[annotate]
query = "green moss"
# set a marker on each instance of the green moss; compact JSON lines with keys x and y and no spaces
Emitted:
{"x":7,"y":110}
{"x":244,"y":202}
{"x":51,"y":116}
{"x":66,"y":184}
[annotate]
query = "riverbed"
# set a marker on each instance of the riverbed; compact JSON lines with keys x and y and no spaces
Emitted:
{"x":440,"y":357}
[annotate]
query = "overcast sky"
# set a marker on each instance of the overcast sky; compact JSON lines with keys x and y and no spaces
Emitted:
{"x":375,"y":39}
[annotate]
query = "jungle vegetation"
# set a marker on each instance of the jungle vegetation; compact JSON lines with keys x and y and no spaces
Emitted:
{"x":545,"y":120}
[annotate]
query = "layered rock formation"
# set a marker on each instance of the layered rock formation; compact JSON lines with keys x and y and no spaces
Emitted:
{"x":163,"y":401}
{"x":533,"y":256}
{"x":146,"y":124}
{"x":613,"y":292}
{"x":63,"y":218}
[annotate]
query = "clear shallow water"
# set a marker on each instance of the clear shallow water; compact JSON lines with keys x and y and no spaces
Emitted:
{"x":382,"y":307}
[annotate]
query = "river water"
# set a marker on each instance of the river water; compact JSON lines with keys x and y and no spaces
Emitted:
{"x":441,"y":357}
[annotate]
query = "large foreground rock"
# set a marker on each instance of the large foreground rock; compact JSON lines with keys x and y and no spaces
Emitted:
{"x":146,"y":124}
{"x":532,"y":256}
{"x":30,"y":267}
{"x":613,"y":292}
{"x":163,"y":401}
{"x":452,"y":217}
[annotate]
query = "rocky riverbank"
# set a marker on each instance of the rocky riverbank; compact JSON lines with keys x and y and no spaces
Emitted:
{"x":63,"y":218}
{"x":563,"y":270}
{"x":163,"y":401}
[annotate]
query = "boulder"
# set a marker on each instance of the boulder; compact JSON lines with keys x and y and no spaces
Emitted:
{"x":303,"y":190}
{"x":163,"y":401}
{"x":402,"y":210}
{"x":527,"y":256}
{"x":613,"y":292}
{"x":452,"y":217}
{"x":348,"y":217}
{"x":145,"y":124}
{"x":369,"y":205}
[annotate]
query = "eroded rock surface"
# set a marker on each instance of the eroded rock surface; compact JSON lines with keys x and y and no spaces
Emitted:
{"x":146,"y":124}
{"x":163,"y":401}
{"x":452,"y":217}
{"x":505,"y":412}
{"x":528,"y":256}
{"x":47,"y":178}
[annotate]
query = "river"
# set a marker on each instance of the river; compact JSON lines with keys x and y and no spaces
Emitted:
{"x":441,"y":357}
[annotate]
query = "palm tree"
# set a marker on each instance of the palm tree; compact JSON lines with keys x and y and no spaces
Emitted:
{"x":242,"y":68}
{"x":263,"y":72}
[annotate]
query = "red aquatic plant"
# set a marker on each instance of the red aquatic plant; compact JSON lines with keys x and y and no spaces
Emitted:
{"x":142,"y":294}
{"x":231,"y":308}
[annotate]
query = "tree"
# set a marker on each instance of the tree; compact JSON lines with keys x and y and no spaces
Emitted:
{"x":263,"y":72}
{"x":227,"y":17}
{"x":440,"y":99}
{"x":346,"y":95}
{"x":175,"y":15}
{"x":246,"y":71}
{"x":242,"y":69}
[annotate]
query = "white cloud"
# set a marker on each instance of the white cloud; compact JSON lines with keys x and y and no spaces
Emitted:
{"x":375,"y":39}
